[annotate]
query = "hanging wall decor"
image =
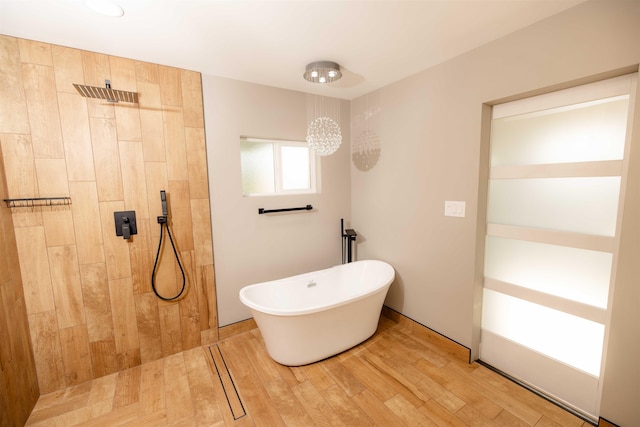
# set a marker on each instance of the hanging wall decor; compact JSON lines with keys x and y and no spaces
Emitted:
{"x":365,"y":147}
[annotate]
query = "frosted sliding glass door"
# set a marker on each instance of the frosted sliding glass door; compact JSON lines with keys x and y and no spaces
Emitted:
{"x":555,"y":188}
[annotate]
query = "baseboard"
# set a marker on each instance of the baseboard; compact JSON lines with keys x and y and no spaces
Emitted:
{"x":605,"y":423}
{"x":233,"y":329}
{"x":452,"y":347}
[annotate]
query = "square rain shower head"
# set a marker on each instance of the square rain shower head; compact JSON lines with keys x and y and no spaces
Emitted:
{"x":106,"y":93}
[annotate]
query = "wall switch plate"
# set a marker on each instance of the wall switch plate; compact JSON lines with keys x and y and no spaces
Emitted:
{"x":454,"y":208}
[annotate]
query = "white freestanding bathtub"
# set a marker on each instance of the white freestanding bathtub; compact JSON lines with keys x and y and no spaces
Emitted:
{"x":316,"y":315}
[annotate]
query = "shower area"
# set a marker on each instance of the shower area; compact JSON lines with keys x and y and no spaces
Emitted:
{"x":77,"y":300}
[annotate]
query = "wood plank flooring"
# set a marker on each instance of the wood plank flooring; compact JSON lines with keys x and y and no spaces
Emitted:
{"x":402,"y":376}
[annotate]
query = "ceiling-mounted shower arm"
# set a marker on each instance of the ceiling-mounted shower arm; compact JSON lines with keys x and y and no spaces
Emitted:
{"x":107,"y":85}
{"x":106,"y":93}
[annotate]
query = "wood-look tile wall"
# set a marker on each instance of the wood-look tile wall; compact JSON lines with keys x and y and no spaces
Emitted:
{"x":88,"y":294}
{"x":18,"y":381}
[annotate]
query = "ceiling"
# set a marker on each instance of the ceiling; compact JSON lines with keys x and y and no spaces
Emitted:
{"x":271,"y":42}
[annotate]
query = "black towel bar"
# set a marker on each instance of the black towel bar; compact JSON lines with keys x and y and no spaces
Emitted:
{"x":303,"y":208}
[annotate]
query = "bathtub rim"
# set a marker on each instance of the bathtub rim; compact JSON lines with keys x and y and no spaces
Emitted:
{"x":383,"y":287}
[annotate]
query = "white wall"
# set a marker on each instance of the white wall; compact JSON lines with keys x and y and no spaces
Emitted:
{"x":251,"y":248}
{"x":429,"y":126}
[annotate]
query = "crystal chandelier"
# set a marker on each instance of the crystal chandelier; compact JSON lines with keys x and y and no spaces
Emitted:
{"x":323,"y":134}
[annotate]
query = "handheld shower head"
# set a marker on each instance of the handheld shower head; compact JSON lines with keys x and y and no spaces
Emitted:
{"x":163,"y":200}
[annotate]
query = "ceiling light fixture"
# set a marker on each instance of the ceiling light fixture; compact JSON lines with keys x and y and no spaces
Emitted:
{"x":323,"y":132}
{"x":105,"y":7}
{"x":322,"y":72}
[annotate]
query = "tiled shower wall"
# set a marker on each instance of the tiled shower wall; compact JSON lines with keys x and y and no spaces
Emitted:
{"x":18,"y":381}
{"x":88,"y":294}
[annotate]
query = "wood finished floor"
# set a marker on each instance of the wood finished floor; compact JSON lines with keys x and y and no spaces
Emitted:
{"x":400,"y":376}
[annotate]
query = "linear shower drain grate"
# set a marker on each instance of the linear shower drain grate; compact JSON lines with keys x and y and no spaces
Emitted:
{"x":228,"y":386}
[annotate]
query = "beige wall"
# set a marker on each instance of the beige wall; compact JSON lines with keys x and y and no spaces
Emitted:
{"x":87,"y":292}
{"x":251,"y":248}
{"x":429,"y":126}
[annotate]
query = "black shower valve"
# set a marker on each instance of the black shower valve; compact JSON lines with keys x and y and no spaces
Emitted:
{"x":125,"y":222}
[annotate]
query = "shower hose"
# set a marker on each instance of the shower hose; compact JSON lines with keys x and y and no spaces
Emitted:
{"x":163,"y":222}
